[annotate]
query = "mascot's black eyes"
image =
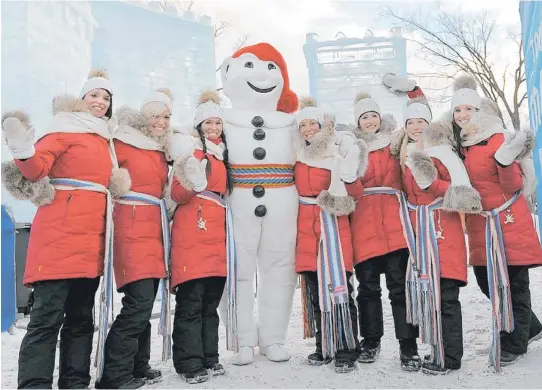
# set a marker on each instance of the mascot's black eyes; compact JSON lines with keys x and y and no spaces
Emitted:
{"x":271,"y":66}
{"x":249,"y":65}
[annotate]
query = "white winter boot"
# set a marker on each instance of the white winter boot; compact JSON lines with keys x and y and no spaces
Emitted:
{"x":275,"y":353}
{"x":244,"y":356}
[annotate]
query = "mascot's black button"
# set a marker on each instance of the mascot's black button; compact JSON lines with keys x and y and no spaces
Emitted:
{"x":257,"y":121}
{"x":260,"y":211}
{"x":259,"y":153}
{"x":258,"y":191}
{"x":259,"y":134}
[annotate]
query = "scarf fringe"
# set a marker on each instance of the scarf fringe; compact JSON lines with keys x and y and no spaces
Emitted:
{"x":309,"y":328}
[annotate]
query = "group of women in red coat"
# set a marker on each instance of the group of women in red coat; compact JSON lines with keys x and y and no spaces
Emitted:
{"x":374,"y":200}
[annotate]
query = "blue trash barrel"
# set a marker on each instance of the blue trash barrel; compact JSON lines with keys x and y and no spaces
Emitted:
{"x":8,"y":270}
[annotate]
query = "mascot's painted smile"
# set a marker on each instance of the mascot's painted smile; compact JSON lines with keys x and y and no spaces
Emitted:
{"x":261,"y":90}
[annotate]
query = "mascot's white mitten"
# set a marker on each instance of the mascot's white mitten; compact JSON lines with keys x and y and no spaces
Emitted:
{"x":510,"y":150}
{"x":422,"y":168}
{"x":397,"y":83}
{"x":350,"y":164}
{"x":20,"y":140}
{"x":195,"y":173}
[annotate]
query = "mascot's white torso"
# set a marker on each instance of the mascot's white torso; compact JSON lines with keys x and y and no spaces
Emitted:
{"x":264,"y":201}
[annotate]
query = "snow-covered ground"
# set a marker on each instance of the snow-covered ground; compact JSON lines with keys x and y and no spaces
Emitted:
{"x":385,"y":373}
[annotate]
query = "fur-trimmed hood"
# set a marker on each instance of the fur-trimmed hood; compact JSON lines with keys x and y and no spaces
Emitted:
{"x":319,"y":143}
{"x":438,"y":133}
{"x":129,"y":118}
{"x":397,"y":139}
{"x":387,"y":125}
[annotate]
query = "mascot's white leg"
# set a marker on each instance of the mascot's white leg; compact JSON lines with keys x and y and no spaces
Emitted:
{"x":276,"y":271}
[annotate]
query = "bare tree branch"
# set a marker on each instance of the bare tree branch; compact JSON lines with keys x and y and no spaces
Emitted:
{"x":238,"y":44}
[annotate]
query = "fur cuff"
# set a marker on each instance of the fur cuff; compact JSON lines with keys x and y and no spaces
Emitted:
{"x":336,"y":205}
{"x":39,"y":192}
{"x":363,"y":157}
{"x":463,"y":199}
{"x":180,"y":174}
{"x":422,"y":166}
{"x":20,"y":115}
{"x":119,"y":182}
{"x":528,"y":146}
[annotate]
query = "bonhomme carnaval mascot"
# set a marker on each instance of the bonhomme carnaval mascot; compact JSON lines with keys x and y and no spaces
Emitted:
{"x":264,"y":201}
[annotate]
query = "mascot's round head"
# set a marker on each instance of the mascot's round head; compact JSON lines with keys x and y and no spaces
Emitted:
{"x":257,"y":77}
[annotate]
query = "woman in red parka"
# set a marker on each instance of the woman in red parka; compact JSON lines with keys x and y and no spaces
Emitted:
{"x":326,"y":180}
{"x":437,"y":187}
{"x":67,"y":174}
{"x":198,"y":246}
{"x":139,"y":257}
{"x":378,"y":237}
{"x":494,"y":165}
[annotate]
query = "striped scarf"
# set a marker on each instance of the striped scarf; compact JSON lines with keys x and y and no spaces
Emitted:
{"x":232,"y":341}
{"x":164,"y":327}
{"x":106,"y":290}
{"x":499,"y":283}
{"x":332,"y":286}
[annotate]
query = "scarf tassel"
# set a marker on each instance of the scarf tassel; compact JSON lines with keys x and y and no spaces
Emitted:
{"x":309,"y":328}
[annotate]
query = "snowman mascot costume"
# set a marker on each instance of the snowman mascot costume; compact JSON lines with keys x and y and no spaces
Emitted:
{"x":264,"y":200}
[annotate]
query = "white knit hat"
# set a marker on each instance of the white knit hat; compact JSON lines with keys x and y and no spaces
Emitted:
{"x":208,"y":107}
{"x":415,"y":110}
{"x":97,"y":78}
{"x":364,"y":103}
{"x":465,"y":92}
{"x":308,"y":109}
{"x":161,"y":95}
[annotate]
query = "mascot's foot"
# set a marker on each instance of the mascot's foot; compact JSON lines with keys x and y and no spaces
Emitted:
{"x":244,"y":357}
{"x":275,"y":353}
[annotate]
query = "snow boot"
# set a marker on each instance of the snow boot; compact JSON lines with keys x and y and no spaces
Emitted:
{"x":508,"y":358}
{"x":215,"y":369}
{"x":195,"y":376}
{"x":150,"y":376}
{"x":317,"y":359}
{"x":430,"y":368}
{"x":369,"y":351}
{"x":408,"y":353}
{"x":536,"y":337}
{"x":344,"y":366}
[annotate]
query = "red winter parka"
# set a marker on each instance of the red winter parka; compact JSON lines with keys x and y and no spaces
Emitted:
{"x":452,"y":248}
{"x":67,"y":236}
{"x":497,"y":184}
{"x":138,"y":249}
{"x":376,"y":224}
{"x":198,"y":252}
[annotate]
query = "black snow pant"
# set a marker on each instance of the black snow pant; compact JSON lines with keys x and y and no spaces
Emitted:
{"x":371,"y":319}
{"x":452,"y":322}
{"x":195,"y":326}
{"x":311,"y":278}
{"x":128,"y":344}
{"x":526,"y":324}
{"x":66,"y":304}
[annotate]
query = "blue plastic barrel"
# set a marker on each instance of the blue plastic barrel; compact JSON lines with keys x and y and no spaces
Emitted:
{"x":8,"y":270}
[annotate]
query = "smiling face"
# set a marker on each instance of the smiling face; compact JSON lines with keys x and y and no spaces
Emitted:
{"x":308,"y":128}
{"x":415,"y":128}
{"x":212,"y":128}
{"x":158,"y":124}
{"x":463,"y":114}
{"x":251,"y":83}
{"x":98,"y":102}
{"x":369,"y":122}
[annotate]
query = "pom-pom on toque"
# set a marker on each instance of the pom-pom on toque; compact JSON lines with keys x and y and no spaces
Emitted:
{"x":165,"y":91}
{"x":209,"y":95}
{"x":307,"y":102}
{"x":465,"y":81}
{"x":98,"y":72}
{"x":360,"y":96}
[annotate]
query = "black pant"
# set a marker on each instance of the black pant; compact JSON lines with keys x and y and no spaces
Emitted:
{"x":65,"y":303}
{"x":371,"y":320}
{"x":452,"y":322}
{"x":127,"y":348}
{"x":311,"y":278}
{"x":195,"y":326}
{"x":526,"y":324}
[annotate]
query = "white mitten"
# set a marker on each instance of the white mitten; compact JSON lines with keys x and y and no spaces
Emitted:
{"x":350,"y":164}
{"x":179,"y":145}
{"x":20,"y":140}
{"x":509,"y":151}
{"x":397,"y":83}
{"x":336,"y":187}
{"x":422,"y":168}
{"x":195,"y":173}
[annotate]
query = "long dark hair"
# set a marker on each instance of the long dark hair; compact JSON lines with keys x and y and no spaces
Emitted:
{"x":229,"y":180}
{"x":457,"y":137}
